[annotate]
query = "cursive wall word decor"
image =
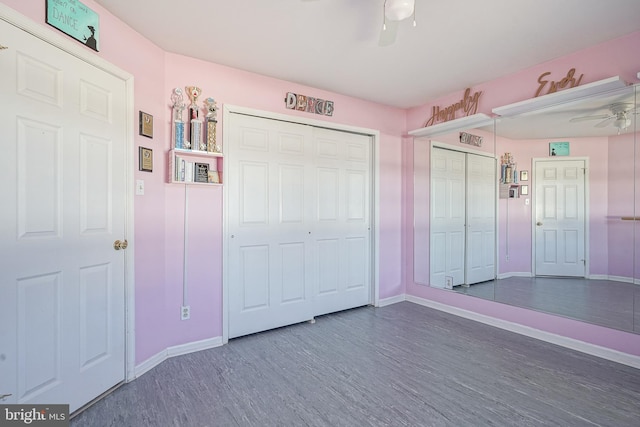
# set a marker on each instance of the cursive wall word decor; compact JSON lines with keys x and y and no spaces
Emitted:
{"x":566,"y":82}
{"x":468,"y":105}
{"x":309,"y":104}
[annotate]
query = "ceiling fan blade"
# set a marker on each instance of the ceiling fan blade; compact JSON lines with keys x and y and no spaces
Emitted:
{"x":598,"y":117}
{"x":605,"y":122}
{"x":388,"y":36}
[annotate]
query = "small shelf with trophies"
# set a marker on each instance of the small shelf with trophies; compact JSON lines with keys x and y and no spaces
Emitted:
{"x":195,"y":157}
{"x":509,"y":187}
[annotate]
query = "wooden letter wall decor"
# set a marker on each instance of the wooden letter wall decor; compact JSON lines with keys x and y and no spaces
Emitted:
{"x":567,"y":81}
{"x":468,"y":104}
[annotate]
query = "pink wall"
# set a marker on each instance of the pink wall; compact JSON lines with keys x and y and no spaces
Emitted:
{"x":518,"y":215}
{"x":159,"y":214}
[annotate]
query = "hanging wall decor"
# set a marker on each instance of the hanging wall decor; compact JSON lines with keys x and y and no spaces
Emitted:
{"x":76,"y":20}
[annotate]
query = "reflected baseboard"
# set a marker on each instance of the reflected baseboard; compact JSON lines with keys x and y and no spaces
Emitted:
{"x":515,"y":274}
{"x":563,"y":341}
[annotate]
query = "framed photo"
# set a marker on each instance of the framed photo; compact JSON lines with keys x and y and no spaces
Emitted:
{"x":524,"y":175}
{"x":524,"y":190}
{"x":146,"y":124}
{"x":558,"y":148}
{"x":201,"y":172}
{"x":145,"y":159}
{"x":214,"y":177}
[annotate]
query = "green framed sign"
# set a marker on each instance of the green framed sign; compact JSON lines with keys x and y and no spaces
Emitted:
{"x":76,"y":20}
{"x":558,"y":148}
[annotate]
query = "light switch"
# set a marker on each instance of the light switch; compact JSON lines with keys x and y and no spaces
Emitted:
{"x":526,"y":201}
{"x":139,"y":187}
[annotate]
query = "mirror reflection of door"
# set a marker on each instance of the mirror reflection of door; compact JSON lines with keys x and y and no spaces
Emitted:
{"x":560,"y":218}
{"x":462,"y":237}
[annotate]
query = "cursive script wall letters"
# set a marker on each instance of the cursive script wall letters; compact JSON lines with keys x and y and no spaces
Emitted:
{"x":468,"y":104}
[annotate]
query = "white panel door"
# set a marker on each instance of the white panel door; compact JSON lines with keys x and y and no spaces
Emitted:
{"x":270,"y":190}
{"x":481,"y":219}
{"x":341,"y":221}
{"x":560,"y":218}
{"x":298,"y":222}
{"x":447,"y":237}
{"x":62,"y":185}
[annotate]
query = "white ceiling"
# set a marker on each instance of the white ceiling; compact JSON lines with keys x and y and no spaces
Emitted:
{"x":333,"y":44}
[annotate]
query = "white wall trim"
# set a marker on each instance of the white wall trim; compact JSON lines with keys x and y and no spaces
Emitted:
{"x":581,"y":346}
{"x":79,"y":51}
{"x":515,"y":274}
{"x":227,"y":110}
{"x":177,"y":350}
{"x":392,"y":300}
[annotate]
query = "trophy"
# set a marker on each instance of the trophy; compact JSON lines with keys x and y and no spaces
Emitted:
{"x":210,"y":128}
{"x":195,"y":134}
{"x":178,"y":124}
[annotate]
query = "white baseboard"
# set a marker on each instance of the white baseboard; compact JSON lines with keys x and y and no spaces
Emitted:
{"x":584,"y":347}
{"x":515,"y":274}
{"x":392,"y":300}
{"x":176,"y":350}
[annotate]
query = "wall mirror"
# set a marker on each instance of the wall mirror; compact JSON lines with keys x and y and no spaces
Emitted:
{"x":568,"y":211}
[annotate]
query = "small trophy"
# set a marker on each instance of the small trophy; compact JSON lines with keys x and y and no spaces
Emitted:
{"x":178,"y":124}
{"x":210,"y":129}
{"x":195,"y":135}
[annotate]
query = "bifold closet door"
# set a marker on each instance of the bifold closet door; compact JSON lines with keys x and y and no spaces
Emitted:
{"x":462,"y":237}
{"x":448,"y":210}
{"x":298,"y":222}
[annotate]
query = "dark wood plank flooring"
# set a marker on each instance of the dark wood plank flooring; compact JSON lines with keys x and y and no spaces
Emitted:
{"x":401,"y":365}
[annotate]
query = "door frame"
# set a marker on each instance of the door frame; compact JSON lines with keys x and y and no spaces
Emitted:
{"x":227,"y":110}
{"x":73,"y":48}
{"x":534,"y":201}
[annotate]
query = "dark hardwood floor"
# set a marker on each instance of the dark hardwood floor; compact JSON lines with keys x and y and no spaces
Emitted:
{"x":401,"y":365}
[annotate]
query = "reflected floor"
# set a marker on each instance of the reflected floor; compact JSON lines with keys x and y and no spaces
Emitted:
{"x":602,"y":302}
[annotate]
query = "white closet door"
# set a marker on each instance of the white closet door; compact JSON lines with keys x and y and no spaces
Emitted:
{"x":481,"y":219}
{"x":270,"y":189}
{"x":298,"y":222}
{"x":62,"y":330}
{"x":447,"y":237}
{"x":341,"y":210}
{"x":560,"y":218}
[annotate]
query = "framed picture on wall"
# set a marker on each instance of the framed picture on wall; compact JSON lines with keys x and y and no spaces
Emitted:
{"x":145,"y":159}
{"x":524,"y":190}
{"x":524,"y":175}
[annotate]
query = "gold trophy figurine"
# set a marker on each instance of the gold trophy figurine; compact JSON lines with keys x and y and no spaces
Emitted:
{"x":210,"y":128}
{"x":195,"y":124}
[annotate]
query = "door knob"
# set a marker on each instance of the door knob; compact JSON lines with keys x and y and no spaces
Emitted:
{"x":538,"y":223}
{"x":117,"y":245}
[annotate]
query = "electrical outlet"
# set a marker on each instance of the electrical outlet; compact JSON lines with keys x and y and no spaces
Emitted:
{"x":185,"y":313}
{"x":448,"y":282}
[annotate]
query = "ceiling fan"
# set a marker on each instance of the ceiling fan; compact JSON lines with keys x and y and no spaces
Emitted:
{"x":394,"y":11}
{"x":618,"y":116}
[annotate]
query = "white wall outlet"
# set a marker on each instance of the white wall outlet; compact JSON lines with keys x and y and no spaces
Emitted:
{"x":448,"y":282}
{"x":185,"y":313}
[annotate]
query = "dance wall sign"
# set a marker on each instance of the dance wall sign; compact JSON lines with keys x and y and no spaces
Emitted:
{"x":309,"y":104}
{"x":76,"y":20}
